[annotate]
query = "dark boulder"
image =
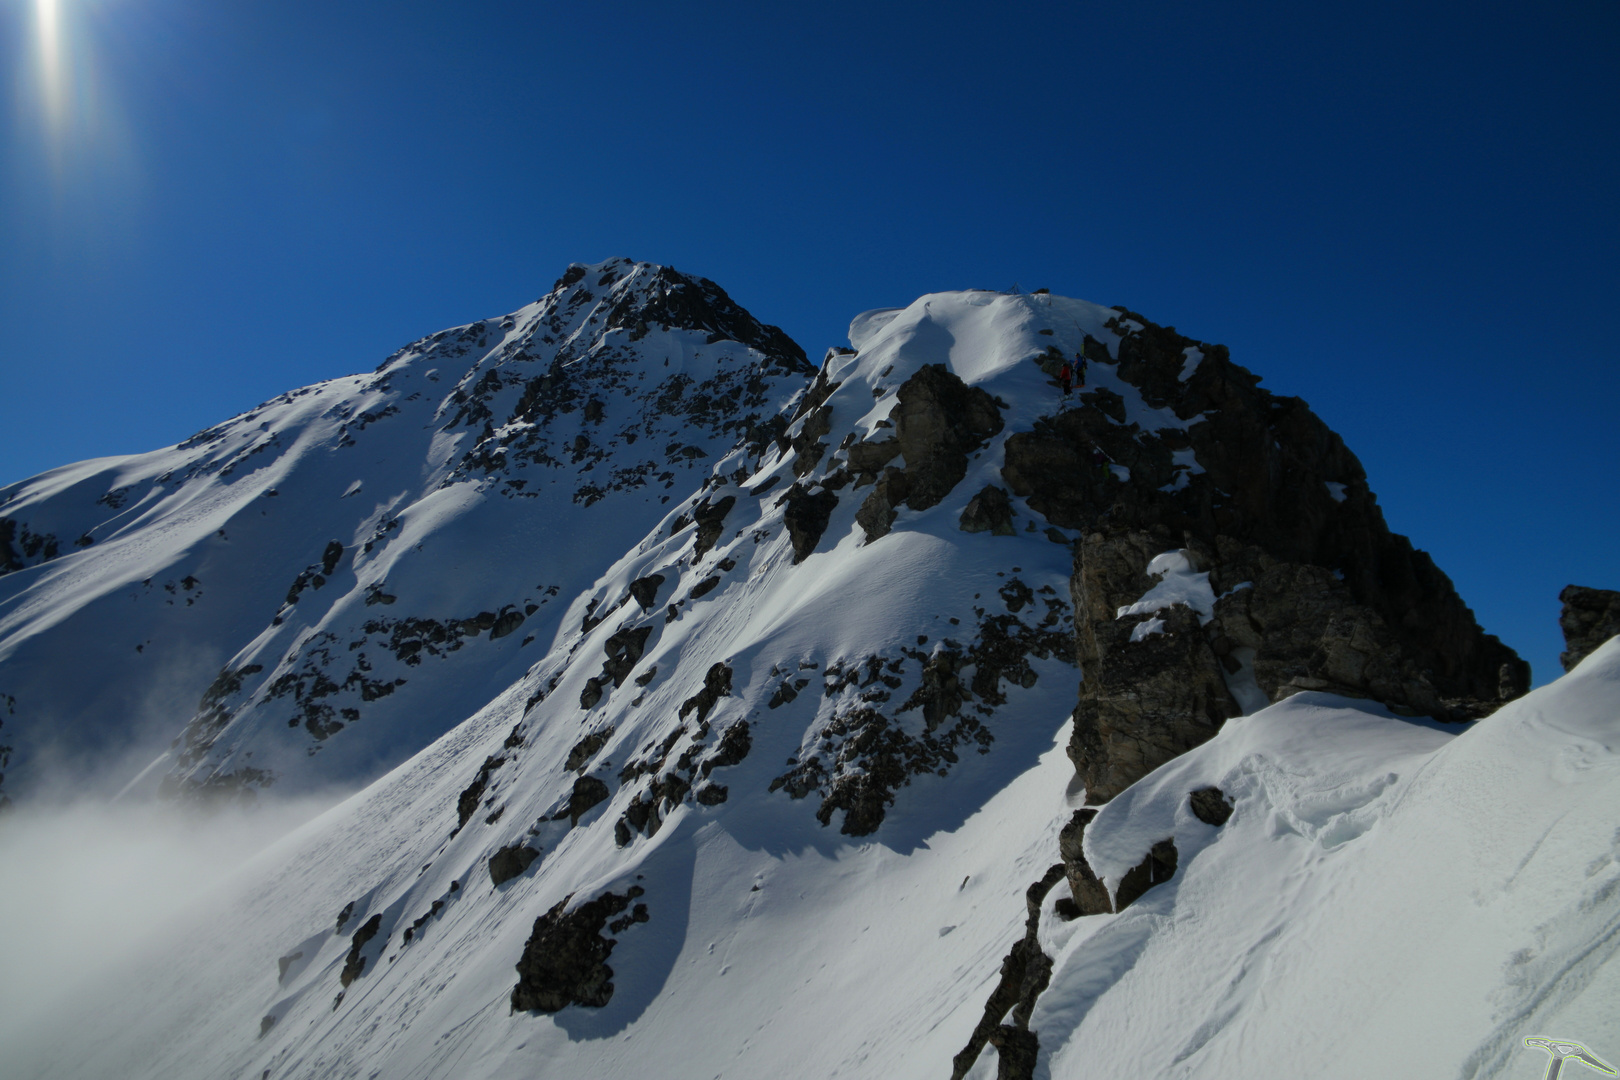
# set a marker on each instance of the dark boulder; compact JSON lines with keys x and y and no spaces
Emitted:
{"x":587,"y":748}
{"x":505,"y":623}
{"x":989,"y":511}
{"x":510,"y":862}
{"x":735,"y":743}
{"x":1211,"y":806}
{"x":806,"y":519}
{"x":623,"y":650}
{"x":877,"y":513}
{"x":588,"y":791}
{"x":1156,"y":867}
{"x":591,"y":695}
{"x":645,"y":590}
{"x":716,"y":685}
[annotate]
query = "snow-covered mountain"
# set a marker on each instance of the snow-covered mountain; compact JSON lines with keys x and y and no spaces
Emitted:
{"x":713,"y":714}
{"x":321,"y":586}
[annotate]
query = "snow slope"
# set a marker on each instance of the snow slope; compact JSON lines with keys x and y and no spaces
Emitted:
{"x":829,"y":775}
{"x":379,"y":553}
{"x":1388,"y":898}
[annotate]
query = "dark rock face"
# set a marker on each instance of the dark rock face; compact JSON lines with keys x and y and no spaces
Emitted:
{"x":1315,"y":592}
{"x":355,"y":964}
{"x":1590,"y":617}
{"x":565,"y":960}
{"x":866,"y":755}
{"x":938,"y":421}
{"x":18,"y":546}
{"x":588,"y":791}
{"x":1017,"y":1050}
{"x":623,"y":650}
{"x":807,"y":445}
{"x":587,"y":748}
{"x":645,"y":590}
{"x":716,"y":685}
{"x":1025,"y":973}
{"x":510,"y":862}
{"x":989,"y":511}
{"x":869,"y":457}
{"x":735,"y":743}
{"x":1156,"y":867}
{"x":698,"y":304}
{"x":1211,"y":806}
{"x":473,"y":793}
{"x":1090,"y":895}
{"x":1142,"y":702}
{"x":330,"y":557}
{"x":711,"y":523}
{"x":877,"y":513}
{"x":806,"y":519}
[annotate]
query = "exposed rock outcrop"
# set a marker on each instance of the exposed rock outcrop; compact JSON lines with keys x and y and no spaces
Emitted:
{"x":510,"y":862}
{"x":565,"y":960}
{"x":1313,"y":592}
{"x":711,"y":523}
{"x":716,"y":685}
{"x":938,"y":421}
{"x":988,"y":511}
{"x":1087,"y":894}
{"x":645,"y":591}
{"x":1211,"y":806}
{"x":1156,"y":867}
{"x":588,"y":791}
{"x":1025,"y":973}
{"x":467,"y":802}
{"x":806,"y":518}
{"x":877,"y":513}
{"x":1590,"y":617}
{"x":1145,"y":698}
{"x":354,"y":965}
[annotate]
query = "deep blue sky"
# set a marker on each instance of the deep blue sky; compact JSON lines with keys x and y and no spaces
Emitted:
{"x":1404,"y":213}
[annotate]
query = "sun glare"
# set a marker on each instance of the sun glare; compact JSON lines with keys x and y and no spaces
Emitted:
{"x":53,"y":91}
{"x":75,"y":116}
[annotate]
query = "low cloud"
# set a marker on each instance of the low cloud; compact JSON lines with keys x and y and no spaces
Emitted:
{"x":87,"y":887}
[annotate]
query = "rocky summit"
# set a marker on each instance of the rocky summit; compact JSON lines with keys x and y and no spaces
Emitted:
{"x":705,"y":711}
